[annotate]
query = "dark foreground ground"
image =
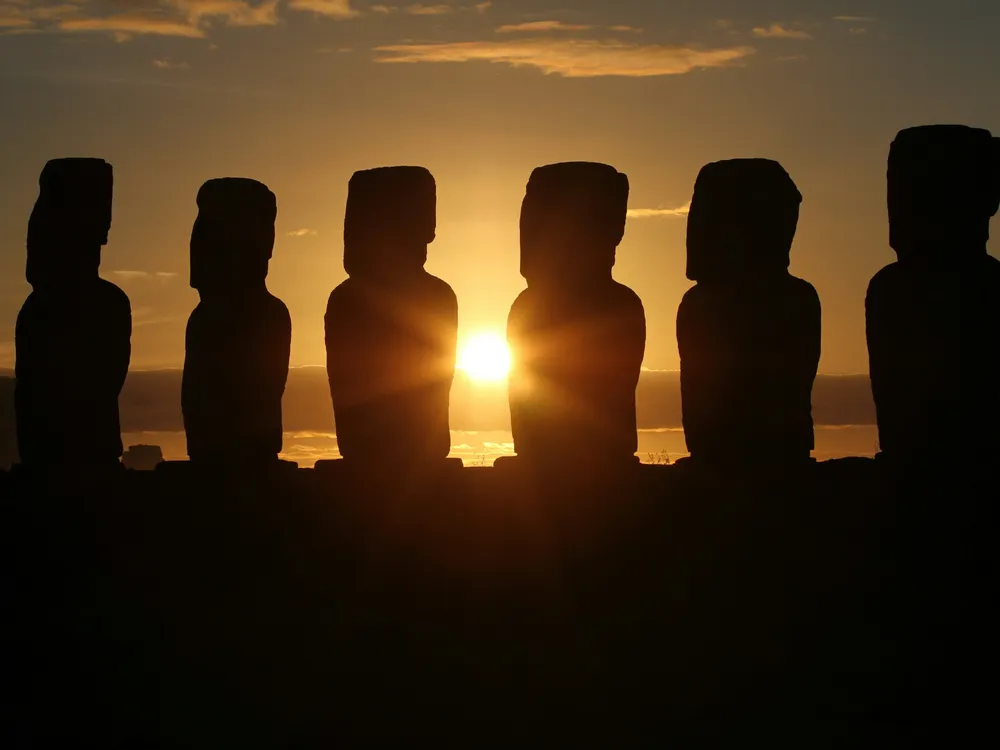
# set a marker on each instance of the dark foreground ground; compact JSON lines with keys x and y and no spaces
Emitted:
{"x":841,"y":605}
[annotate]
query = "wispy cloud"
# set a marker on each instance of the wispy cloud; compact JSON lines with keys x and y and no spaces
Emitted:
{"x":13,"y":18}
{"x":168,"y":64}
{"x":126,"y":25}
{"x":420,"y":9}
{"x":22,"y":13}
{"x":303,"y":233}
{"x":622,"y":28}
{"x":124,"y":19}
{"x":660,"y":213}
{"x":339,"y":9}
{"x":779,"y":31}
{"x":541,"y":26}
{"x":571,"y":58}
{"x":147,"y":316}
{"x":428,"y":10}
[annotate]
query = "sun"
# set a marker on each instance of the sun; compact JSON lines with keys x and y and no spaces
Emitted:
{"x":485,"y":357}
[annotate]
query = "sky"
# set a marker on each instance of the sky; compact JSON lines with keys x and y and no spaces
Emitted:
{"x":301,"y":93}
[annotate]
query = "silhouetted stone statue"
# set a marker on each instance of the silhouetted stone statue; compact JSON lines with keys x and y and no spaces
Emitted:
{"x":73,"y":333}
{"x":239,"y":335}
{"x":576,"y":335}
{"x":933,"y":317}
{"x":748,"y":332}
{"x":391,"y":327}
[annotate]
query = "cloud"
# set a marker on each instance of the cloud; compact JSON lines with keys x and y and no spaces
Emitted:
{"x":21,"y":14}
{"x":167,"y":64}
{"x":438,"y":9}
{"x":13,"y":18}
{"x":626,"y":29}
{"x":126,"y":25}
{"x":339,"y":9}
{"x":778,"y":31}
{"x":235,"y":12}
{"x":541,"y":26}
{"x":302,"y":233}
{"x":570,"y":58}
{"x":659,"y":213}
{"x":428,"y":10}
{"x":124,"y":19}
{"x":147,"y":316}
{"x":857,"y":30}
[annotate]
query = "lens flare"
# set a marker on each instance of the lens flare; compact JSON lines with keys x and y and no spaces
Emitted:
{"x":485,"y":357}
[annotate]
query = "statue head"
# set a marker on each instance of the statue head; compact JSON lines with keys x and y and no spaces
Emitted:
{"x":743,"y":217}
{"x":942,"y":190}
{"x":70,"y":221}
{"x":390,"y":220}
{"x":233,"y":236}
{"x":572,"y":221}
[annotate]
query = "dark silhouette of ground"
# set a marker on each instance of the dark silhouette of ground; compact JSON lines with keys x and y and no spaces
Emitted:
{"x":142,"y":457}
{"x":933,"y":317}
{"x":749,"y":331}
{"x":239,"y":336}
{"x":479,"y":609}
{"x":73,"y":333}
{"x":577,"y":336}
{"x":391,"y":327}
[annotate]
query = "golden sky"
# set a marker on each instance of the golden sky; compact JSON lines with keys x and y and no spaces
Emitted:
{"x":301,"y":93}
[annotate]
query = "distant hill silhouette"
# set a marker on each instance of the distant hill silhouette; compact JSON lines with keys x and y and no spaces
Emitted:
{"x":151,"y":402}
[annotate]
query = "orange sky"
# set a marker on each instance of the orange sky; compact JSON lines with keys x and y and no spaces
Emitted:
{"x":299,"y":94}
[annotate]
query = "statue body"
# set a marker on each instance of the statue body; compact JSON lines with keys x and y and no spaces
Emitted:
{"x":933,"y":316}
{"x":748,"y":332}
{"x":576,"y":335}
{"x":238,"y":337}
{"x":73,"y":334}
{"x":391,"y":327}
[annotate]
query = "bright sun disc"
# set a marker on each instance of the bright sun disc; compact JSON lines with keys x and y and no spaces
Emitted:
{"x":485,"y":356}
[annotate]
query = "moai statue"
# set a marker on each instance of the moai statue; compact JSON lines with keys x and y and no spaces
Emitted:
{"x":933,"y":317}
{"x":577,"y":337}
{"x":239,"y":335}
{"x":391,"y":327}
{"x":73,"y":334}
{"x":748,"y":331}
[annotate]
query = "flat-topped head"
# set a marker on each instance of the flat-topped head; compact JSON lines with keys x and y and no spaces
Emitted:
{"x":390,"y":220}
{"x":233,"y":235}
{"x":942,"y":188}
{"x":70,"y":220}
{"x":742,"y":220}
{"x":572,"y":220}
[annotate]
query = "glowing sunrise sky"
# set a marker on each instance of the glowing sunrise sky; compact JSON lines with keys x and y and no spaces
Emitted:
{"x":301,"y":93}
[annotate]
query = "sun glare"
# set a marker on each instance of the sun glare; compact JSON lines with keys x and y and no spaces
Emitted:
{"x":485,"y":357}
